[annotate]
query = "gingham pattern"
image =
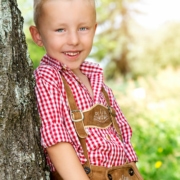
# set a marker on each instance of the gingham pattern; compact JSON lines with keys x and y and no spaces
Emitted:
{"x":104,"y":147}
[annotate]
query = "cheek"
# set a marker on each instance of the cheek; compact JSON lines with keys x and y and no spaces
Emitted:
{"x":88,"y":41}
{"x":53,"y":42}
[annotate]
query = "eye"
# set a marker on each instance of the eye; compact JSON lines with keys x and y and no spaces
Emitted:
{"x":60,"y":30}
{"x":83,"y":29}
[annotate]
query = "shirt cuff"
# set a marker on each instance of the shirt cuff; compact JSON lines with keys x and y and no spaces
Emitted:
{"x":130,"y":153}
{"x":54,"y":133}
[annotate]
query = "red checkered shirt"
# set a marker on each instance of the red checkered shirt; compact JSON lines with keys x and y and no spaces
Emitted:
{"x":104,"y":146}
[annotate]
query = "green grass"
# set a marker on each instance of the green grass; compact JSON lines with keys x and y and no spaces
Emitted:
{"x":152,"y":107}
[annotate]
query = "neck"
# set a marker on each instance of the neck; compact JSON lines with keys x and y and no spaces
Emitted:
{"x":77,"y":72}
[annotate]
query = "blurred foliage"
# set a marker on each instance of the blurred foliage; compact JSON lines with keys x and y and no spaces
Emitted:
{"x":113,"y":40}
{"x":129,"y":49}
{"x":36,"y":52}
{"x":155,"y":50}
{"x":151,"y":106}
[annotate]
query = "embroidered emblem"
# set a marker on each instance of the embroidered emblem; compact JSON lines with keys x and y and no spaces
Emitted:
{"x":124,"y":178}
{"x":101,"y":116}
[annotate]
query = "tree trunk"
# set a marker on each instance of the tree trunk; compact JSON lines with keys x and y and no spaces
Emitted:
{"x":21,"y":155}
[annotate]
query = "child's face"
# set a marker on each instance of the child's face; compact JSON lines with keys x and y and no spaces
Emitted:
{"x":66,"y":30}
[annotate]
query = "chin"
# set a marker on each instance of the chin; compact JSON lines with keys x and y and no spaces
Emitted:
{"x":74,"y":67}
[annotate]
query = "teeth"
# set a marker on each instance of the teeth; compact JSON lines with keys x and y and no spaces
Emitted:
{"x":72,"y":53}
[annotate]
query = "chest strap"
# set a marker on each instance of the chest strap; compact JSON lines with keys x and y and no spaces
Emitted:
{"x":83,"y":119}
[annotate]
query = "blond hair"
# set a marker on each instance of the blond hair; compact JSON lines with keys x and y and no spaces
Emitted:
{"x":38,"y":9}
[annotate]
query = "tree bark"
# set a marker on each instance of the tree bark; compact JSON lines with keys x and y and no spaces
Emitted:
{"x":21,"y":156}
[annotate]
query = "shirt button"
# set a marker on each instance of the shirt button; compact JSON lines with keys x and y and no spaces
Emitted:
{"x":87,"y":170}
{"x":64,"y":67}
{"x":131,"y":172}
{"x":109,"y":177}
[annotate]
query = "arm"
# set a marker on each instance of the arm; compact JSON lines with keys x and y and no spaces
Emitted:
{"x":55,"y":136}
{"x":125,"y":129}
{"x":69,"y":166}
{"x":126,"y":134}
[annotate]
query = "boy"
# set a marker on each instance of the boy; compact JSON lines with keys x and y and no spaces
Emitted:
{"x":66,"y":28}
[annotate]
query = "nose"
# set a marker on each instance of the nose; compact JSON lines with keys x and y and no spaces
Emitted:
{"x":73,"y":38}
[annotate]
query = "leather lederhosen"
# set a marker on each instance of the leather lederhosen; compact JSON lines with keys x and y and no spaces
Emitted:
{"x":97,"y":116}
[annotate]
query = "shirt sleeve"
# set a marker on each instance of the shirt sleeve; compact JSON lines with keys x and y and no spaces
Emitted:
{"x":125,"y":128}
{"x":50,"y":108}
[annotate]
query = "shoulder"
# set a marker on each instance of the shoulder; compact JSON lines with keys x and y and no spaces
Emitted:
{"x":107,"y":88}
{"x":109,"y":92}
{"x":47,"y":74}
{"x":45,"y":70}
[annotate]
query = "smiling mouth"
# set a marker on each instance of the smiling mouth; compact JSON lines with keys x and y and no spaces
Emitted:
{"x":72,"y":53}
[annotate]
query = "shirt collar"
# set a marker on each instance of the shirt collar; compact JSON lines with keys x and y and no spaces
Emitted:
{"x":47,"y":60}
{"x":87,"y":68}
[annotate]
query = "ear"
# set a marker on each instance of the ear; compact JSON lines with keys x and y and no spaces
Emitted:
{"x":95,"y":27}
{"x":35,"y":35}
